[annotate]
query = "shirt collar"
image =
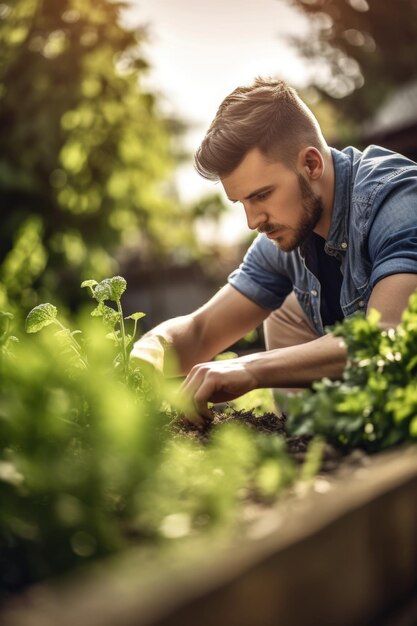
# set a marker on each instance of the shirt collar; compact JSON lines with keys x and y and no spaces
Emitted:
{"x":338,"y":232}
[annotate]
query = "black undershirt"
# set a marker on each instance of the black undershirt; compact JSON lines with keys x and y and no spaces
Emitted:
{"x":330,"y":278}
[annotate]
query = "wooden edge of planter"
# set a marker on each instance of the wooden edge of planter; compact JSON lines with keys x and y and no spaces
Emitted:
{"x":343,"y":557}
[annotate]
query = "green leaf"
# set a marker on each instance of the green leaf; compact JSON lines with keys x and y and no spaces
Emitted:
{"x":110,"y":289}
{"x":41,"y":316}
{"x":118,"y":285}
{"x":109,"y":315}
{"x":89,"y":283}
{"x":413,"y":427}
{"x":135,"y":316}
{"x":102,"y":291}
{"x":373,"y":317}
{"x":98,"y":311}
{"x":224,"y":356}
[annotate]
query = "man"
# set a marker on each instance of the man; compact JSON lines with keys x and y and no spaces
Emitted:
{"x":337,"y":234}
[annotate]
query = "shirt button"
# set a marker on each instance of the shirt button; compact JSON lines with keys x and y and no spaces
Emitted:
{"x":314,"y":292}
{"x":343,"y":245}
{"x":361,"y":304}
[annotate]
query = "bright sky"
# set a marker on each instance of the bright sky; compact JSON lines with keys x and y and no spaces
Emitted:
{"x":199,"y":51}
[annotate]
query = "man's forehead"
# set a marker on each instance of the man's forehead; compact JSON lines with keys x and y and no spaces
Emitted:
{"x":254,"y":173}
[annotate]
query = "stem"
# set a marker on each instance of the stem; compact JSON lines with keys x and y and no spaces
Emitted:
{"x":74,"y":343}
{"x":122,"y":330}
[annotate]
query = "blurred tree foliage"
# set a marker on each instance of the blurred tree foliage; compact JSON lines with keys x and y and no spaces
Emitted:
{"x":85,"y":154}
{"x":366,"y":47}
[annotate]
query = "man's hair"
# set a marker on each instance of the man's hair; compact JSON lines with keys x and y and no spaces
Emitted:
{"x":268,"y":115}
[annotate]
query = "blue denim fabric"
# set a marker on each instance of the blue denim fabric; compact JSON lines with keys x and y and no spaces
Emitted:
{"x":373,"y":233}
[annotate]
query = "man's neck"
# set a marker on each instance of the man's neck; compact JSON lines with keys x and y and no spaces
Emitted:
{"x":327,"y":186}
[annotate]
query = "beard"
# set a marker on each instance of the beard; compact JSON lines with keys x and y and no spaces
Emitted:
{"x":312,"y":212}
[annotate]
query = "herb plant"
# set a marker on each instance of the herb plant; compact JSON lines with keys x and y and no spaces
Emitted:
{"x":109,"y":289}
{"x":374,"y":406}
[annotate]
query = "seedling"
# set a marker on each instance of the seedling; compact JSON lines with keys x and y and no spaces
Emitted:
{"x":112,"y":289}
{"x":46,"y":314}
{"x":109,"y":289}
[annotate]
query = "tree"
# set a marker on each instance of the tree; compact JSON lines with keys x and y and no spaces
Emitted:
{"x":85,"y":152}
{"x":368,"y":47}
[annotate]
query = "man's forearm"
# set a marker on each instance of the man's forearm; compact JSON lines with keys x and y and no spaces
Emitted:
{"x":299,"y":366}
{"x":173,"y":347}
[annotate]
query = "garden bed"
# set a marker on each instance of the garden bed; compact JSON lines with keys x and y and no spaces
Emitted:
{"x":116,"y":512}
{"x":340,"y":549}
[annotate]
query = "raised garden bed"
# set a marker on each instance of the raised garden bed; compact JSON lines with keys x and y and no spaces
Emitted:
{"x":92,"y":465}
{"x":344,"y":553}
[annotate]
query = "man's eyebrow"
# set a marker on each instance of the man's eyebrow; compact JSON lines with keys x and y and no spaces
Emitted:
{"x":255,"y":193}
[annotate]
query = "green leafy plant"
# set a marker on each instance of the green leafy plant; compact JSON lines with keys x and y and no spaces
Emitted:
{"x":88,"y":461}
{"x":374,"y":406}
{"x":274,"y":469}
{"x":110,"y":289}
{"x":44,"y":315}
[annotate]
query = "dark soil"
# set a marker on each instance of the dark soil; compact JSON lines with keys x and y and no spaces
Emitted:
{"x":271,"y":424}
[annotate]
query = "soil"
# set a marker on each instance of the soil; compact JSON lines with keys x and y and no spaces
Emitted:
{"x":274,"y":424}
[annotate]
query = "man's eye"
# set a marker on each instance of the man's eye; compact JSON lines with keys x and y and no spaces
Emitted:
{"x":263,"y":195}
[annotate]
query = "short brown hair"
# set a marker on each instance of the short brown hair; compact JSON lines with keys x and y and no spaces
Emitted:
{"x":268,"y":115}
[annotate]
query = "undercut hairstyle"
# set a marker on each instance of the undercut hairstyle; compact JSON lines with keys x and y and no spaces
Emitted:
{"x":268,"y":115}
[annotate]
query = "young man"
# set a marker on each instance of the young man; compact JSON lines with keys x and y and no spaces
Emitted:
{"x":337,"y":234}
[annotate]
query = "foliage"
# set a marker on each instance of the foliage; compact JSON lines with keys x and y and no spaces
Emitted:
{"x":374,"y":406}
{"x":85,"y":152}
{"x":23,"y":264}
{"x":108,"y":289}
{"x":6,"y":338}
{"x":366,"y":46}
{"x":88,"y":460}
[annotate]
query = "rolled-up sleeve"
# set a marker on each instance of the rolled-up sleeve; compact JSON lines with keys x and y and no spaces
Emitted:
{"x":260,"y":277}
{"x":392,"y":242}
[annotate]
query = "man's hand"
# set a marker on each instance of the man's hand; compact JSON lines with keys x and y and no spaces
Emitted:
{"x":218,"y":381}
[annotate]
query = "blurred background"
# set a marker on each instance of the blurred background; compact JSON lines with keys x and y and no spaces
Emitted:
{"x":103,"y":103}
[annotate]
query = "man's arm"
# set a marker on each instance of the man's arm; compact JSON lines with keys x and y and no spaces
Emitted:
{"x":390,"y":297}
{"x":295,"y":366}
{"x":199,"y":336}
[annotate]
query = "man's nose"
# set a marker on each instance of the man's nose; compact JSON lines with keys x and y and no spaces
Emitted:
{"x":255,"y":218}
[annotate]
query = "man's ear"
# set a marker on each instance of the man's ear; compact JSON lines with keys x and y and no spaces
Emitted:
{"x":312,"y":162}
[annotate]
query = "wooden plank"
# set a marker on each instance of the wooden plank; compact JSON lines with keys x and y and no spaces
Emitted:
{"x":345,"y":557}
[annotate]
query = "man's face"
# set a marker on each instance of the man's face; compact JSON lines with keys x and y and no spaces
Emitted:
{"x":278,"y":201}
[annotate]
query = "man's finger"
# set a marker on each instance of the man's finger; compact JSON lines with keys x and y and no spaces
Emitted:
{"x":196,"y":420}
{"x":202,"y":396}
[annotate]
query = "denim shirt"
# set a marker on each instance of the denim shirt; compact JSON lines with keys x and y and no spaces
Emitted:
{"x":373,"y":233}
